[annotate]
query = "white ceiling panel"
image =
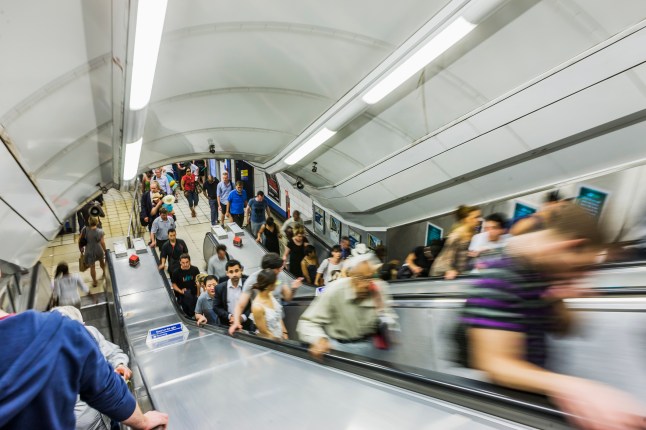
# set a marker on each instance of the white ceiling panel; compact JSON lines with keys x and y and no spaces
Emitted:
{"x":26,"y":243}
{"x":416,"y":178}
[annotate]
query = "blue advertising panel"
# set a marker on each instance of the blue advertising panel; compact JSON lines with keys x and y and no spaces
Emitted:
{"x":433,"y":232}
{"x":373,"y":242}
{"x":521,"y":210}
{"x":592,"y":200}
{"x":319,"y":220}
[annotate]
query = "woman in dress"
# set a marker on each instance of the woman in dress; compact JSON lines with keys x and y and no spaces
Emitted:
{"x":309,"y":264}
{"x":94,"y":250}
{"x":272,"y":234}
{"x":454,"y":257}
{"x":66,"y":287}
{"x":267,"y":312}
{"x":296,"y":251}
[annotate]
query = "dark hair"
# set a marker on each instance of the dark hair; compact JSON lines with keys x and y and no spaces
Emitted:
{"x":232,"y":263}
{"x":309,"y":249}
{"x":266,"y":278}
{"x":208,"y":278}
{"x":271,"y":260}
{"x":185,"y":255}
{"x":497,"y":218}
{"x":270,"y":221}
{"x":171,"y":230}
{"x":163,"y":211}
{"x":573,"y":222}
{"x":345,"y":238}
{"x":221,"y":247}
{"x":260,"y":193}
{"x":380,"y":252}
{"x":463,"y":211}
{"x":62,"y":270}
{"x":335,"y":248}
{"x":296,"y":213}
{"x":552,"y":197}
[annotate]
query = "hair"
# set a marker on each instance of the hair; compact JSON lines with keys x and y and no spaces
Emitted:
{"x":266,"y":278}
{"x":497,"y":218}
{"x":185,"y":255}
{"x":260,"y":193}
{"x":271,"y":260}
{"x":270,"y":221}
{"x":345,"y":238}
{"x":221,"y":247}
{"x":201,"y":277}
{"x":239,"y":183}
{"x":93,"y":221}
{"x":298,"y":230}
{"x":296,"y":213}
{"x":573,"y":222}
{"x":211,"y":277}
{"x":552,"y":197}
{"x":309,"y":249}
{"x":62,"y":270}
{"x":232,"y":263}
{"x":171,"y":230}
{"x":463,"y":211}
{"x":153,"y":182}
{"x":163,"y":211}
{"x":335,"y":248}
{"x":380,"y":252}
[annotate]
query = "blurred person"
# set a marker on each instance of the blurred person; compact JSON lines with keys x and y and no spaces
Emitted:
{"x":224,"y":188}
{"x":491,"y":241}
{"x":171,"y":251}
{"x":167,"y":203}
{"x":454,"y":257}
{"x":183,"y":281}
{"x":201,"y":283}
{"x":418,"y":262}
{"x":66,"y":287}
{"x":227,"y":294}
{"x":519,"y":298}
{"x":91,"y":208}
{"x":162,"y":180}
{"x":150,"y":205}
{"x":295,"y":250}
{"x":236,"y":204}
{"x":172,"y":182}
{"x":160,"y":228}
{"x":190,"y":191}
{"x":88,"y":418}
{"x":537,"y":220}
{"x":330,"y":268}
{"x":218,"y":261}
{"x":211,"y":193}
{"x":282,"y":292}
{"x":381,"y":252}
{"x":180,"y":169}
{"x":94,"y":250}
{"x":269,"y":230}
{"x":350,"y":310}
{"x":146,"y":177}
{"x":346,"y":249}
{"x":46,"y":362}
{"x":204,"y":313}
{"x":309,"y":264}
{"x":257,"y":211}
{"x":288,"y":226}
{"x":267,"y":312}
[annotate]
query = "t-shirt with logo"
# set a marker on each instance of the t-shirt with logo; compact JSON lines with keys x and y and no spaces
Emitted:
{"x":186,"y":279}
{"x":329,"y":270}
{"x":258,"y":210}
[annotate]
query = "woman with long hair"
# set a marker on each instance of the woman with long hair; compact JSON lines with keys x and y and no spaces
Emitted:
{"x":454,"y":257}
{"x":271,"y":234}
{"x":66,"y":287}
{"x":295,"y":250}
{"x":267,"y":312}
{"x":94,"y":250}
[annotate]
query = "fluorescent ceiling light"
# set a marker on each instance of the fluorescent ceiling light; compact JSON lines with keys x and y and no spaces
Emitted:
{"x":131,"y":160}
{"x":420,"y":59}
{"x":148,"y":33}
{"x":314,"y":142}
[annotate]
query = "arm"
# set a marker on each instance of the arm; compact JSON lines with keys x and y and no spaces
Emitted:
{"x":306,"y":275}
{"x":286,"y":225}
{"x":449,"y":254}
{"x":81,"y":284}
{"x":288,"y":290}
{"x":287,"y":251}
{"x":228,"y":214}
{"x":260,"y":232}
{"x":155,"y":208}
{"x":285,"y":333}
{"x":162,"y":263}
{"x":239,"y":310}
{"x":410,"y":261}
{"x":318,"y":281}
{"x":182,"y":182}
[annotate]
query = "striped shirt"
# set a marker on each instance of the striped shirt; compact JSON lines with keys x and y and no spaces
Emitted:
{"x":508,"y":297}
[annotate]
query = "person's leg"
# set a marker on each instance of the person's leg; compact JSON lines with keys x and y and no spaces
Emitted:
{"x":102,"y":264}
{"x":238,"y":219}
{"x":93,"y":272}
{"x":191,"y":202}
{"x":213,"y":206}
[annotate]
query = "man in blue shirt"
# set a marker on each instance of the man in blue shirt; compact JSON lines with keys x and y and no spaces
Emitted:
{"x":236,"y":204}
{"x":46,"y":361}
{"x":257,"y":210}
{"x":222,"y":194}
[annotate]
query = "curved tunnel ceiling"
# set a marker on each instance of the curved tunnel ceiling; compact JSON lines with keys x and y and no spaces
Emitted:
{"x":538,"y":92}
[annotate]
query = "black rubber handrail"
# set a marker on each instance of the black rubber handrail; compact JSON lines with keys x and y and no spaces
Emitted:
{"x":465,"y":392}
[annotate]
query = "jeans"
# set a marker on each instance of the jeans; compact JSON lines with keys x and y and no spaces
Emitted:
{"x":213,"y":204}
{"x":255,"y":227}
{"x":192,"y":198}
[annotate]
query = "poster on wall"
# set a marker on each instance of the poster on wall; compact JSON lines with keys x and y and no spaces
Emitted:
{"x":373,"y":242}
{"x":335,"y":229}
{"x":319,"y":220}
{"x":273,"y":189}
{"x":433,"y":232}
{"x":592,"y":200}
{"x":354,"y":237}
{"x":522,"y":210}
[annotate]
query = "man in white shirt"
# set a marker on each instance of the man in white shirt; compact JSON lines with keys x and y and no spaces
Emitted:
{"x":493,"y":238}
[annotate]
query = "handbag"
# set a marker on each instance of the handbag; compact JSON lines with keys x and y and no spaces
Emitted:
{"x":82,"y":265}
{"x":83,"y":238}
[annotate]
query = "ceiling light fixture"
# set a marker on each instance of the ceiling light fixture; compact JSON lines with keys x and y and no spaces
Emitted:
{"x":148,"y":33}
{"x":435,"y":47}
{"x":310,"y":145}
{"x":131,"y":160}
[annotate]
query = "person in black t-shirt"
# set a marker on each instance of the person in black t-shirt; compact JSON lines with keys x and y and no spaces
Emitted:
{"x":172,"y":250}
{"x":184,"y":284}
{"x":211,"y":193}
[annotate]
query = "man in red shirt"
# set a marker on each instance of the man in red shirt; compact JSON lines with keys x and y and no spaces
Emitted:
{"x":190,"y":191}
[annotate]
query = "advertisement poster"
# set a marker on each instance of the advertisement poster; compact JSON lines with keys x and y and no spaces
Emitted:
{"x":319,"y":220}
{"x":354,"y":237}
{"x":273,"y":189}
{"x":521,"y":210}
{"x":592,"y":200}
{"x":373,"y":242}
{"x":335,"y":229}
{"x":433,"y":232}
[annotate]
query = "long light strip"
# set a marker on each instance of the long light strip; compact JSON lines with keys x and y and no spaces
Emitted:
{"x":131,"y":160}
{"x":148,"y":33}
{"x":448,"y":37}
{"x":312,"y":143}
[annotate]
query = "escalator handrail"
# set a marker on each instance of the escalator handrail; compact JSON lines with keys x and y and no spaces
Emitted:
{"x":407,"y":378}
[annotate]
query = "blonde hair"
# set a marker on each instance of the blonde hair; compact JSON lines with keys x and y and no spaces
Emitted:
{"x":93,"y":221}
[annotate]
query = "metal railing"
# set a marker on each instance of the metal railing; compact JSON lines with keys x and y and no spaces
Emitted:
{"x":134,"y":224}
